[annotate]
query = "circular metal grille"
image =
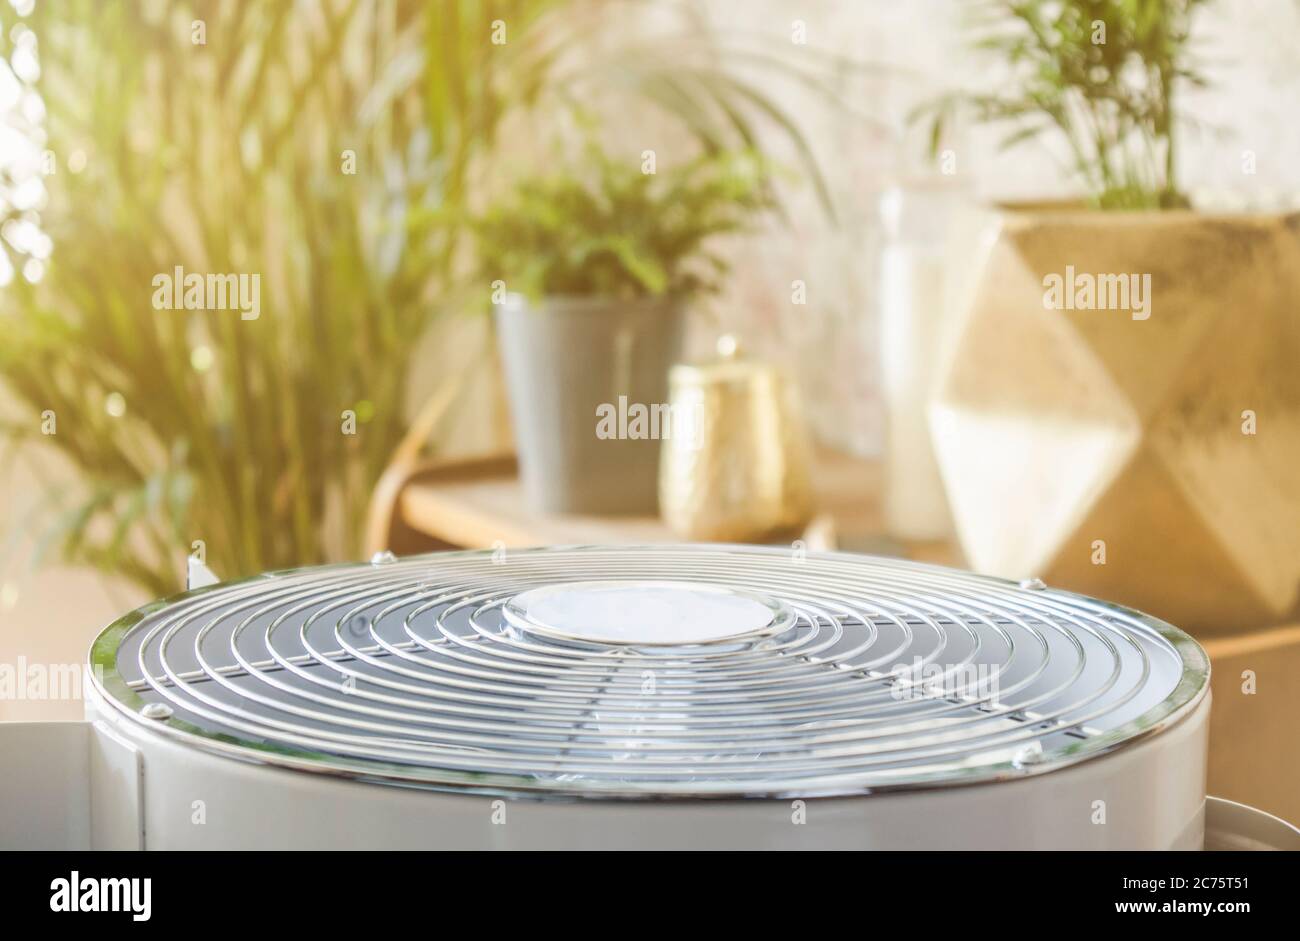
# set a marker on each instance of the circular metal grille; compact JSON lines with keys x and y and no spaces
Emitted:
{"x":546,"y":671}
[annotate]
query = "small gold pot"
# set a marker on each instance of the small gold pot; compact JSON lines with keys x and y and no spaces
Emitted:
{"x":735,"y":468}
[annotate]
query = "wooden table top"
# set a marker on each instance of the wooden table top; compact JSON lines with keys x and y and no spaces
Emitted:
{"x":480,"y":503}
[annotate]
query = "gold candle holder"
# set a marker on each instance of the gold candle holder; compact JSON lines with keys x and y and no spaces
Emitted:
{"x":735,"y":469}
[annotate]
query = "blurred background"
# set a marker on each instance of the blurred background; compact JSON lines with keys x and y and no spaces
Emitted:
{"x":786,"y":178}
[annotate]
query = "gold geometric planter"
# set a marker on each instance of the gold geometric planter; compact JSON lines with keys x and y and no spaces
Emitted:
{"x":1153,"y":461}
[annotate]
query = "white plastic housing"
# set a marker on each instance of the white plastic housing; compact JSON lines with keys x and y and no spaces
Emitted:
{"x":1149,"y":794}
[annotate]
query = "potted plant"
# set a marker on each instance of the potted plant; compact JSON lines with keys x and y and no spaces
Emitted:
{"x":592,"y":268}
{"x":1118,"y":410}
{"x":331,"y":151}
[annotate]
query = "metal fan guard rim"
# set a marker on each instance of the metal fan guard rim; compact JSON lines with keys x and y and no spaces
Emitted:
{"x":1187,"y":695}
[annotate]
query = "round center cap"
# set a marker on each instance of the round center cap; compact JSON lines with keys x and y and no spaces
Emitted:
{"x":645,"y":613}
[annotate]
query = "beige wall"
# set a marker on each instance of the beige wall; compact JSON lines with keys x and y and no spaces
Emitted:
{"x":48,"y":615}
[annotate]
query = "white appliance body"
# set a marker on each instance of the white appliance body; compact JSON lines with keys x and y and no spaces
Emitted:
{"x":159,"y":793}
{"x":632,"y":697}
{"x":111,"y":783}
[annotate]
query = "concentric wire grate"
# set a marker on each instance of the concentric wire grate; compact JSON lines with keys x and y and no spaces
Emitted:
{"x":843,"y":673}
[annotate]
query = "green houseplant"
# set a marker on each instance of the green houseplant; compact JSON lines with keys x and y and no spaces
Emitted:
{"x":591,"y":268}
{"x":326,"y":148}
{"x":1095,"y":422}
{"x":1099,"y":76}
